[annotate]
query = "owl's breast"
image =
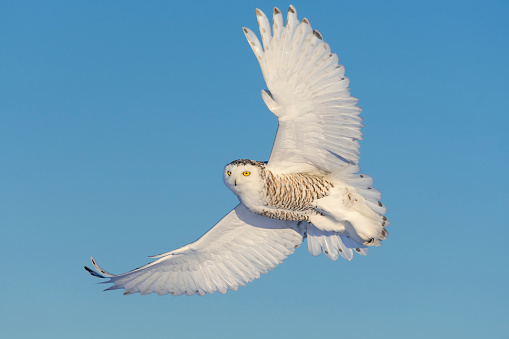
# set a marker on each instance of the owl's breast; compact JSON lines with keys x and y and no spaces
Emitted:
{"x":253,"y":200}
{"x":288,"y":196}
{"x":250,"y":193}
{"x":296,"y":191}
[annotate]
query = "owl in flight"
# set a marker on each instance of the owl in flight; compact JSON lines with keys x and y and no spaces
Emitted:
{"x":310,"y":187}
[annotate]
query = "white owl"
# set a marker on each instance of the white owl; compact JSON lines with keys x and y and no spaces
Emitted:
{"x":310,"y":187}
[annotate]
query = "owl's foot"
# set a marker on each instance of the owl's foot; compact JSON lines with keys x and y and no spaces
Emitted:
{"x":326,"y":223}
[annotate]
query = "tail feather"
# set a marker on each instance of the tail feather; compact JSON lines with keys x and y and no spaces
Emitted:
{"x":333,"y":244}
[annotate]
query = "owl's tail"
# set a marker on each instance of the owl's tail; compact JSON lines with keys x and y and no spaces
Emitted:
{"x":333,"y":244}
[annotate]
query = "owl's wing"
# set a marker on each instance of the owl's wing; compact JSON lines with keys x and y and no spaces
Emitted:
{"x":319,"y":122}
{"x":239,"y":248}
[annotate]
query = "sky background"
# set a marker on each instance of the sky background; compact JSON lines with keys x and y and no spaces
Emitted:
{"x":117,"y":118}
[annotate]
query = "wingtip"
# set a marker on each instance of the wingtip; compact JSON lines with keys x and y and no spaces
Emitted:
{"x":276,"y":11}
{"x":92,"y":272}
{"x":100,"y":269}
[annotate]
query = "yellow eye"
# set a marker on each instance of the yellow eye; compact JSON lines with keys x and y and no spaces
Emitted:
{"x":246,"y":173}
{"x":229,"y":173}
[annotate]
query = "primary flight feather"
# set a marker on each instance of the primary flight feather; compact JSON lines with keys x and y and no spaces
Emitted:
{"x":310,"y":187}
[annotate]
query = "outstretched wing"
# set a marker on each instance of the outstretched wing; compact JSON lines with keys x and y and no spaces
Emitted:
{"x":319,"y":122}
{"x":239,"y":248}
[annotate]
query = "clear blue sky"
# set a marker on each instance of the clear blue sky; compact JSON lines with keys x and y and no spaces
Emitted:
{"x":116,"y":120}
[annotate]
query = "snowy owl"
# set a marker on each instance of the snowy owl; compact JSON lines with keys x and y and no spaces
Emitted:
{"x":310,"y":187}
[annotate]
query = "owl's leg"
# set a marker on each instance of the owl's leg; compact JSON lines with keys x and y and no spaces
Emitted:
{"x":326,"y":223}
{"x":366,"y":229}
{"x":357,"y":226}
{"x":347,"y":208}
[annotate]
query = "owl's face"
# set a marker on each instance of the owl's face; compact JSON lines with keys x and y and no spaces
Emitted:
{"x":244,"y":178}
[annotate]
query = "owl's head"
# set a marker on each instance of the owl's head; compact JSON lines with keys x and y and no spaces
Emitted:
{"x":244,"y":176}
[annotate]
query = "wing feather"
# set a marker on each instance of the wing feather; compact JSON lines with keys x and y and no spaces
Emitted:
{"x":237,"y":250}
{"x":319,"y":122}
{"x":277,"y":23}
{"x":265,"y":30}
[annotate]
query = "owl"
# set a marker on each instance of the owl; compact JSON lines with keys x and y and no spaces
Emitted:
{"x":309,"y":188}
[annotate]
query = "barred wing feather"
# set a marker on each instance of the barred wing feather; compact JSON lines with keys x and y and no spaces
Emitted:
{"x":319,"y":122}
{"x":239,"y":248}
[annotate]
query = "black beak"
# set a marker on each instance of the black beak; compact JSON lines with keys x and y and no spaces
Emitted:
{"x":235,"y":182}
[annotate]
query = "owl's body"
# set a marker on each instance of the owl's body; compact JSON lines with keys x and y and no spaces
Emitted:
{"x":309,"y":188}
{"x":326,"y":201}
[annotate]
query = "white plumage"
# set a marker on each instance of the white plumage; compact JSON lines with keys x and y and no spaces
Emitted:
{"x":310,"y":187}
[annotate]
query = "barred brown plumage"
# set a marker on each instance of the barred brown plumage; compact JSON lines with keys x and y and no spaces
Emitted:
{"x":284,"y":215}
{"x":293,"y":193}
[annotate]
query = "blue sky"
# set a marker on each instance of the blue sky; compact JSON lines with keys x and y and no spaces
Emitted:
{"x":116,"y":119}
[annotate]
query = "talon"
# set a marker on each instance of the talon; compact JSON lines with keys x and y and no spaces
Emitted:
{"x":370,"y":242}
